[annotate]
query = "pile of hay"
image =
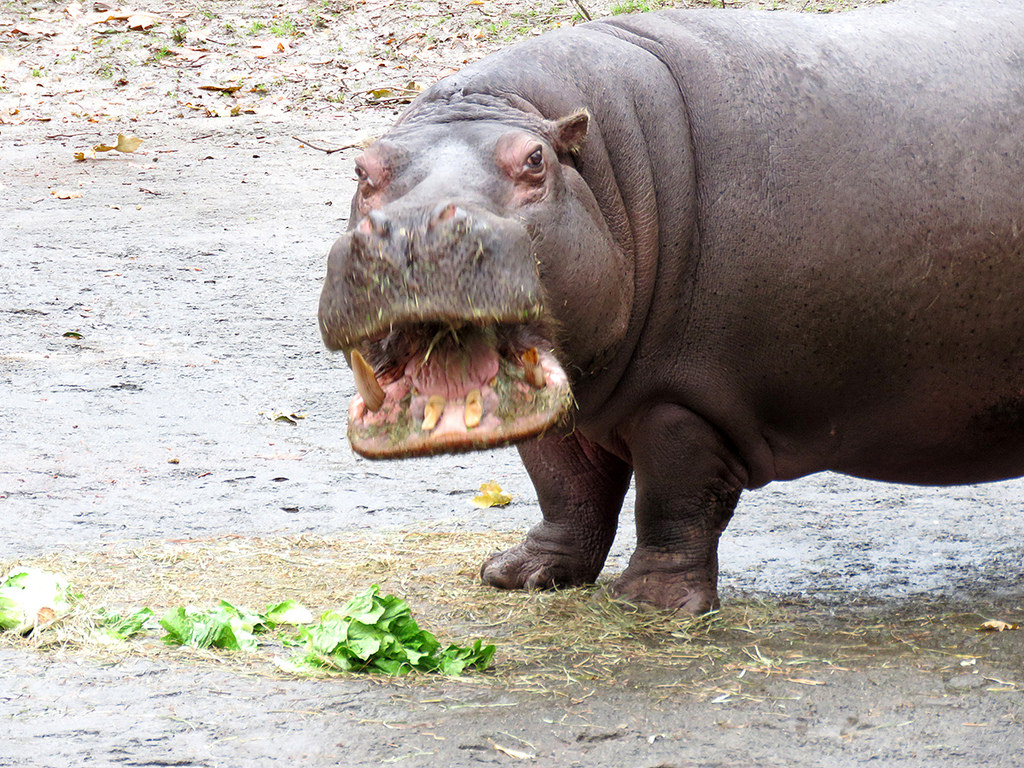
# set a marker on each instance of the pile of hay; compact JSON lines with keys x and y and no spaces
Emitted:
{"x":546,"y":640}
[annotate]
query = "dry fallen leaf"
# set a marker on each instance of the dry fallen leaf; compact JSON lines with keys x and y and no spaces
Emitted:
{"x":63,"y":194}
{"x":514,"y":753}
{"x":491,"y":495}
{"x":142,"y":21}
{"x":137,"y":20}
{"x":220,"y":88}
{"x":34,"y":31}
{"x":994,"y":625}
{"x":284,"y":417}
{"x":124,"y":144}
{"x":262,"y":49}
{"x":231,"y":110}
{"x":95,"y":17}
{"x":185,"y":55}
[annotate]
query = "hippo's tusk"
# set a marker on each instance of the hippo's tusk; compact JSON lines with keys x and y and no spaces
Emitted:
{"x":433,"y":411}
{"x":534,"y":372}
{"x":366,"y":382}
{"x":474,"y":409}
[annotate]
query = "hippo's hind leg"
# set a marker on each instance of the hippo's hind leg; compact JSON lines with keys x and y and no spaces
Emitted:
{"x":580,"y":487}
{"x":688,"y":481}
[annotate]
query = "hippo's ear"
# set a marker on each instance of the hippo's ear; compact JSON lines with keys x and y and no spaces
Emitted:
{"x":570,"y":132}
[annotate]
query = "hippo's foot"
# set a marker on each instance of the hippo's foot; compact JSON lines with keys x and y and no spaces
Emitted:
{"x":664,"y":580}
{"x":538,"y":563}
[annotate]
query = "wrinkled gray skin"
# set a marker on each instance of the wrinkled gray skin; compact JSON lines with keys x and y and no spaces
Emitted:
{"x":789,"y":243}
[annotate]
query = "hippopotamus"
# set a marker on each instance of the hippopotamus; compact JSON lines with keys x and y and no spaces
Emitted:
{"x":705,"y":250}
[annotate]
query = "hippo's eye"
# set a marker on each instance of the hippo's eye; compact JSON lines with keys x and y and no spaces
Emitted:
{"x":535,"y":161}
{"x":361,"y":174}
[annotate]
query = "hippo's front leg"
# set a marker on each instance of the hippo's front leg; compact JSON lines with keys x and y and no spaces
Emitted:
{"x":688,"y":481}
{"x":580,"y":487}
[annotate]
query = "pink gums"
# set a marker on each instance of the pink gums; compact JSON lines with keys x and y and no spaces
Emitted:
{"x":452,"y":372}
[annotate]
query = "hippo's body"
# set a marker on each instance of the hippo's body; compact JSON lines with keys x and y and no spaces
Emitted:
{"x":767,"y":245}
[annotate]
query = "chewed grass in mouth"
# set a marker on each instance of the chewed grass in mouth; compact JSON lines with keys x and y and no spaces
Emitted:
{"x":441,"y":389}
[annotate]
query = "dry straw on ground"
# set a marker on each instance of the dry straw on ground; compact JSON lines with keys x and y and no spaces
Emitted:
{"x":567,"y":640}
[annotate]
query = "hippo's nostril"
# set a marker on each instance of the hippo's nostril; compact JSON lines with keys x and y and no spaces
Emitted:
{"x":446,"y":212}
{"x":376,"y":223}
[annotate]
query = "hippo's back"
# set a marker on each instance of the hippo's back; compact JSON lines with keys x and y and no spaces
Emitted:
{"x":860,"y":290}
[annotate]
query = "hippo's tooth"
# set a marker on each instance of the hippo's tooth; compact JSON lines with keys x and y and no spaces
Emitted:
{"x":474,"y":409}
{"x":366,"y":382}
{"x":432,"y":412}
{"x":531,"y":364}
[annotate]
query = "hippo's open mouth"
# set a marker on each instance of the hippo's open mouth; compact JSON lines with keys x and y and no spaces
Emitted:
{"x":438,"y":388}
{"x":440,"y":314}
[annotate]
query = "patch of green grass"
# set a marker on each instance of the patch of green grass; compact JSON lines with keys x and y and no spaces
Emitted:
{"x":336,"y":7}
{"x":256,"y":27}
{"x":162,"y":53}
{"x":179,"y":34}
{"x":495,"y":27}
{"x":639,"y":6}
{"x":518,"y":24}
{"x":284,"y":27}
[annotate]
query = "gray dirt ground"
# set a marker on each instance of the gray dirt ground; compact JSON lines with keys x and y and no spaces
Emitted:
{"x":191,"y":269}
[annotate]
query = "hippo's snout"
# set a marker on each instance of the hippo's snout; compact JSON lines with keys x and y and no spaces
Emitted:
{"x":445,"y":265}
{"x":440,"y":314}
{"x":377,"y":223}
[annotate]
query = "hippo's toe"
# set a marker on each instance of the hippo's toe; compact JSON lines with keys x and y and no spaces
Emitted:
{"x":524,"y":567}
{"x":669,"y":591}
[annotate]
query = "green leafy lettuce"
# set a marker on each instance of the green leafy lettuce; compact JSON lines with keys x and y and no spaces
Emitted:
{"x":30,"y":597}
{"x":374,"y":633}
{"x":228,"y":626}
{"x":124,"y":627}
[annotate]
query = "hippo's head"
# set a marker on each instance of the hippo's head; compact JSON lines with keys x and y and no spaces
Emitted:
{"x":440,"y":293}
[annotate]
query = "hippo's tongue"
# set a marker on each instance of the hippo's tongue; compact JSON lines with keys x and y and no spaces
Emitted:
{"x":457,"y":397}
{"x":453,"y":371}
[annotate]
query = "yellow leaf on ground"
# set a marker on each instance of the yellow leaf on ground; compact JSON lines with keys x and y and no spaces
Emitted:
{"x":127,"y":143}
{"x":995,"y":625}
{"x":491,"y":495}
{"x":124,"y":144}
